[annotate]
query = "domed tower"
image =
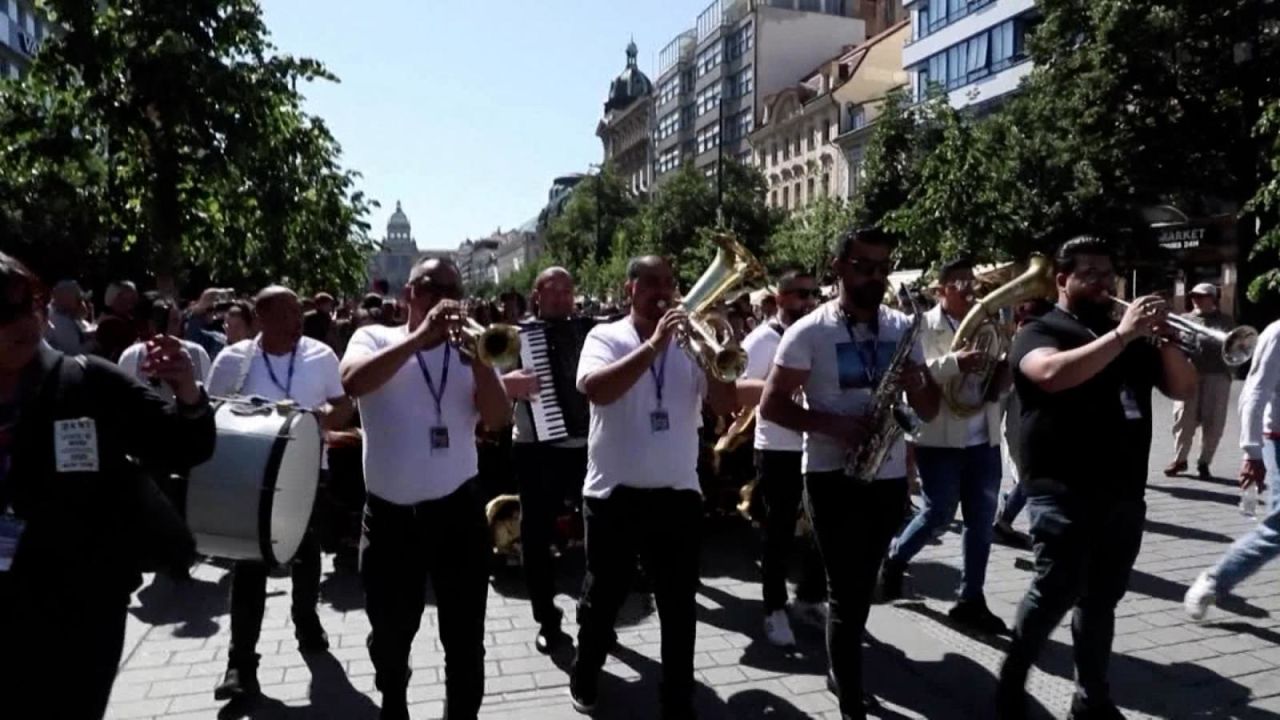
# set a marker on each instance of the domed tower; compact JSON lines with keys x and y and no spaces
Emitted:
{"x":625,"y":129}
{"x":399,"y":231}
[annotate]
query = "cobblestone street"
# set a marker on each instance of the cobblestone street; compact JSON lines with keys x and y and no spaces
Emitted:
{"x":1164,"y":667}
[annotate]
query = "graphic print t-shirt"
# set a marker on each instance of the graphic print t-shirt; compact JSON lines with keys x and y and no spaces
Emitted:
{"x":845,"y":363}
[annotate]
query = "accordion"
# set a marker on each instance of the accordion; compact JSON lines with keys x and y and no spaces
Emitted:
{"x":551,"y":351}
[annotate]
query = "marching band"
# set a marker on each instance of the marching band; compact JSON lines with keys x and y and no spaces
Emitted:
{"x":843,"y":400}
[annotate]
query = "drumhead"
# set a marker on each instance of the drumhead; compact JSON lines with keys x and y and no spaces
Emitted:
{"x":252,"y":500}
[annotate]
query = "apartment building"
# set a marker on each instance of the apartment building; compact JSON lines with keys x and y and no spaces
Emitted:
{"x":974,"y":50}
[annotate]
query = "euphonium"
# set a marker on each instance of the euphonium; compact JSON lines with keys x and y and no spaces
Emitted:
{"x":707,"y":337}
{"x":496,"y":346}
{"x":982,"y":330}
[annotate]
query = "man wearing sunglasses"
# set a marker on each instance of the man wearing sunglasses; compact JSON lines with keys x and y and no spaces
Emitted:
{"x":424,"y":517}
{"x":778,"y":455}
{"x":958,"y":457}
{"x":1085,"y":385}
{"x":838,"y":355}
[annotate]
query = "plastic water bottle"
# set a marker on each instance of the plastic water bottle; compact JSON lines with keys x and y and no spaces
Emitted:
{"x":1249,"y":501}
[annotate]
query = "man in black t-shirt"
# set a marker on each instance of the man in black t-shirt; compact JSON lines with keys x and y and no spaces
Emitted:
{"x":1085,"y":388}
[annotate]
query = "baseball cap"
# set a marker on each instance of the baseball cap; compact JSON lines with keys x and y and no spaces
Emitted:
{"x":1205,"y":289}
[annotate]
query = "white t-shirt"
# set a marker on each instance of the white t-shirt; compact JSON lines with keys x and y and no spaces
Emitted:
{"x":131,"y":362}
{"x":622,"y":446}
{"x":761,"y":346}
{"x":400,"y":465}
{"x":843,"y":371}
{"x":315,"y":378}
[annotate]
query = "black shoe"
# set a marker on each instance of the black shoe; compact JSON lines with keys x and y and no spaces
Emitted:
{"x":394,"y":708}
{"x":1006,"y":535}
{"x":974,"y":615}
{"x":1203,"y":469}
{"x":584,"y":692}
{"x":310,"y":634}
{"x":238,"y":683}
{"x":891,"y":580}
{"x":1100,"y":711}
{"x":550,"y":638}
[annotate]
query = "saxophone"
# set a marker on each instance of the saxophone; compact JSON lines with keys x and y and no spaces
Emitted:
{"x":890,"y":415}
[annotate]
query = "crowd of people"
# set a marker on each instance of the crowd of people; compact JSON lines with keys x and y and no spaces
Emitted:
{"x":614,"y":424}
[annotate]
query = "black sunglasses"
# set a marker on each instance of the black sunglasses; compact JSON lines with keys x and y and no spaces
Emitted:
{"x":449,"y":292}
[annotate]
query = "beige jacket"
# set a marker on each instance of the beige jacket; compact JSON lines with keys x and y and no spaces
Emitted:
{"x":948,"y":430}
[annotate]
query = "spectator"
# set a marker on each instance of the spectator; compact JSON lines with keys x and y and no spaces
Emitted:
{"x":201,"y":324}
{"x":238,"y":322}
{"x":324,"y":303}
{"x":68,"y":331}
{"x":159,"y":315}
{"x":117,"y":329}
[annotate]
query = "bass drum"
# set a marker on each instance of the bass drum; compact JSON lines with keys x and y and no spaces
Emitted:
{"x":252,"y":500}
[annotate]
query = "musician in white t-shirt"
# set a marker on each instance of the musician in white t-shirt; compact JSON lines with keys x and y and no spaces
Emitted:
{"x":280,"y":364}
{"x":424,"y":519}
{"x":778,"y":456}
{"x":838,"y":355}
{"x":642,"y":498}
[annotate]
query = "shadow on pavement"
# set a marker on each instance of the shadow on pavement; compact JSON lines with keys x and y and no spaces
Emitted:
{"x":746,"y":617}
{"x":1186,"y":493}
{"x":1186,"y":533}
{"x":342,"y":590}
{"x":331,"y":694}
{"x":191,"y":604}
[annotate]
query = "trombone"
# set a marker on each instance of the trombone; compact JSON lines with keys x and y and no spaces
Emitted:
{"x":496,"y":346}
{"x":1237,"y":345}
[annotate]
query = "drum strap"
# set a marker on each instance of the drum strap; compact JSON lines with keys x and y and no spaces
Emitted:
{"x":245,"y":365}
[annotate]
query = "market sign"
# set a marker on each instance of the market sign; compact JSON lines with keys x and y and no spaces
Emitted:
{"x":1182,"y":238}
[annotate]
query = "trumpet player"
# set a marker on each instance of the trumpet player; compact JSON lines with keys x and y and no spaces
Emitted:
{"x":778,"y":456}
{"x":958,"y":457}
{"x":641,"y":495}
{"x":838,"y":354}
{"x":420,"y":401}
{"x":1085,"y":383}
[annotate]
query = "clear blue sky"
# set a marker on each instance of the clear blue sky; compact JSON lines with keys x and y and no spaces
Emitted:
{"x":465,"y":110}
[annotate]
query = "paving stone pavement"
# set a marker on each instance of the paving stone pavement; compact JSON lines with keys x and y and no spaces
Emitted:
{"x":1164,"y":667}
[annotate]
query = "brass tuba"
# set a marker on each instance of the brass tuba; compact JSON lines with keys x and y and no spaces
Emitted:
{"x":708,"y":338}
{"x":983,"y":331}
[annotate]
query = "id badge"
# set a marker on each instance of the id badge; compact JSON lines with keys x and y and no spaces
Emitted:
{"x":1130,"y":404}
{"x":75,"y":444}
{"x":11,"y":529}
{"x":439,"y":439}
{"x":659,"y":421}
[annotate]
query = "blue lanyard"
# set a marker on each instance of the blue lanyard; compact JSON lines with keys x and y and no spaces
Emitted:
{"x":870,"y":365}
{"x":287,"y":388}
{"x":436,"y":395}
{"x":660,"y":375}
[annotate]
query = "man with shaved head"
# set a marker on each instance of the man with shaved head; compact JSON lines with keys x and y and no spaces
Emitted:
{"x":420,"y":402}
{"x":279,"y":364}
{"x":549,"y":471}
{"x":642,"y":499}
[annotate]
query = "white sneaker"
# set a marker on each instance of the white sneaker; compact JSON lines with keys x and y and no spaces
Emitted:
{"x":1203,"y":593}
{"x":812,"y":614}
{"x":777,"y":628}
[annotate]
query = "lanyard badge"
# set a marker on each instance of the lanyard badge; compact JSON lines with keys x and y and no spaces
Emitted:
{"x":439,"y":433}
{"x":659,"y":420}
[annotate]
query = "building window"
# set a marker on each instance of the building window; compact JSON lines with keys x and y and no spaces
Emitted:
{"x":786,"y":150}
{"x":990,"y":51}
{"x":934,"y":15}
{"x":773,"y":198}
{"x":811,"y":5}
{"x":810,"y":197}
{"x":808,"y":139}
{"x":786,"y":197}
{"x":740,"y":42}
{"x":668,"y":125}
{"x":709,"y":59}
{"x":707,"y":99}
{"x":669,"y":160}
{"x":855,"y":170}
{"x":742,"y":83}
{"x":708,"y":138}
{"x":740,"y":125}
{"x":826,"y":132}
{"x":826,"y":184}
{"x":670,"y":89}
{"x":795,"y":194}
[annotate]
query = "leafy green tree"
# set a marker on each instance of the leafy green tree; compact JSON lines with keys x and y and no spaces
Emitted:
{"x":582,"y":234}
{"x":892,"y":161}
{"x":804,"y":239}
{"x":181,"y":132}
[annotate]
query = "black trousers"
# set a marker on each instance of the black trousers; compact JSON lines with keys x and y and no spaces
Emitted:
{"x":59,"y":650}
{"x":249,"y":598}
{"x":447,"y":542}
{"x":1085,"y":550}
{"x":549,"y":478}
{"x":781,"y":490}
{"x":853,"y":522}
{"x":661,"y":528}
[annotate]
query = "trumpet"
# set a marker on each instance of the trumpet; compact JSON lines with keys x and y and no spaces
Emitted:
{"x":496,"y":346}
{"x":1237,"y":345}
